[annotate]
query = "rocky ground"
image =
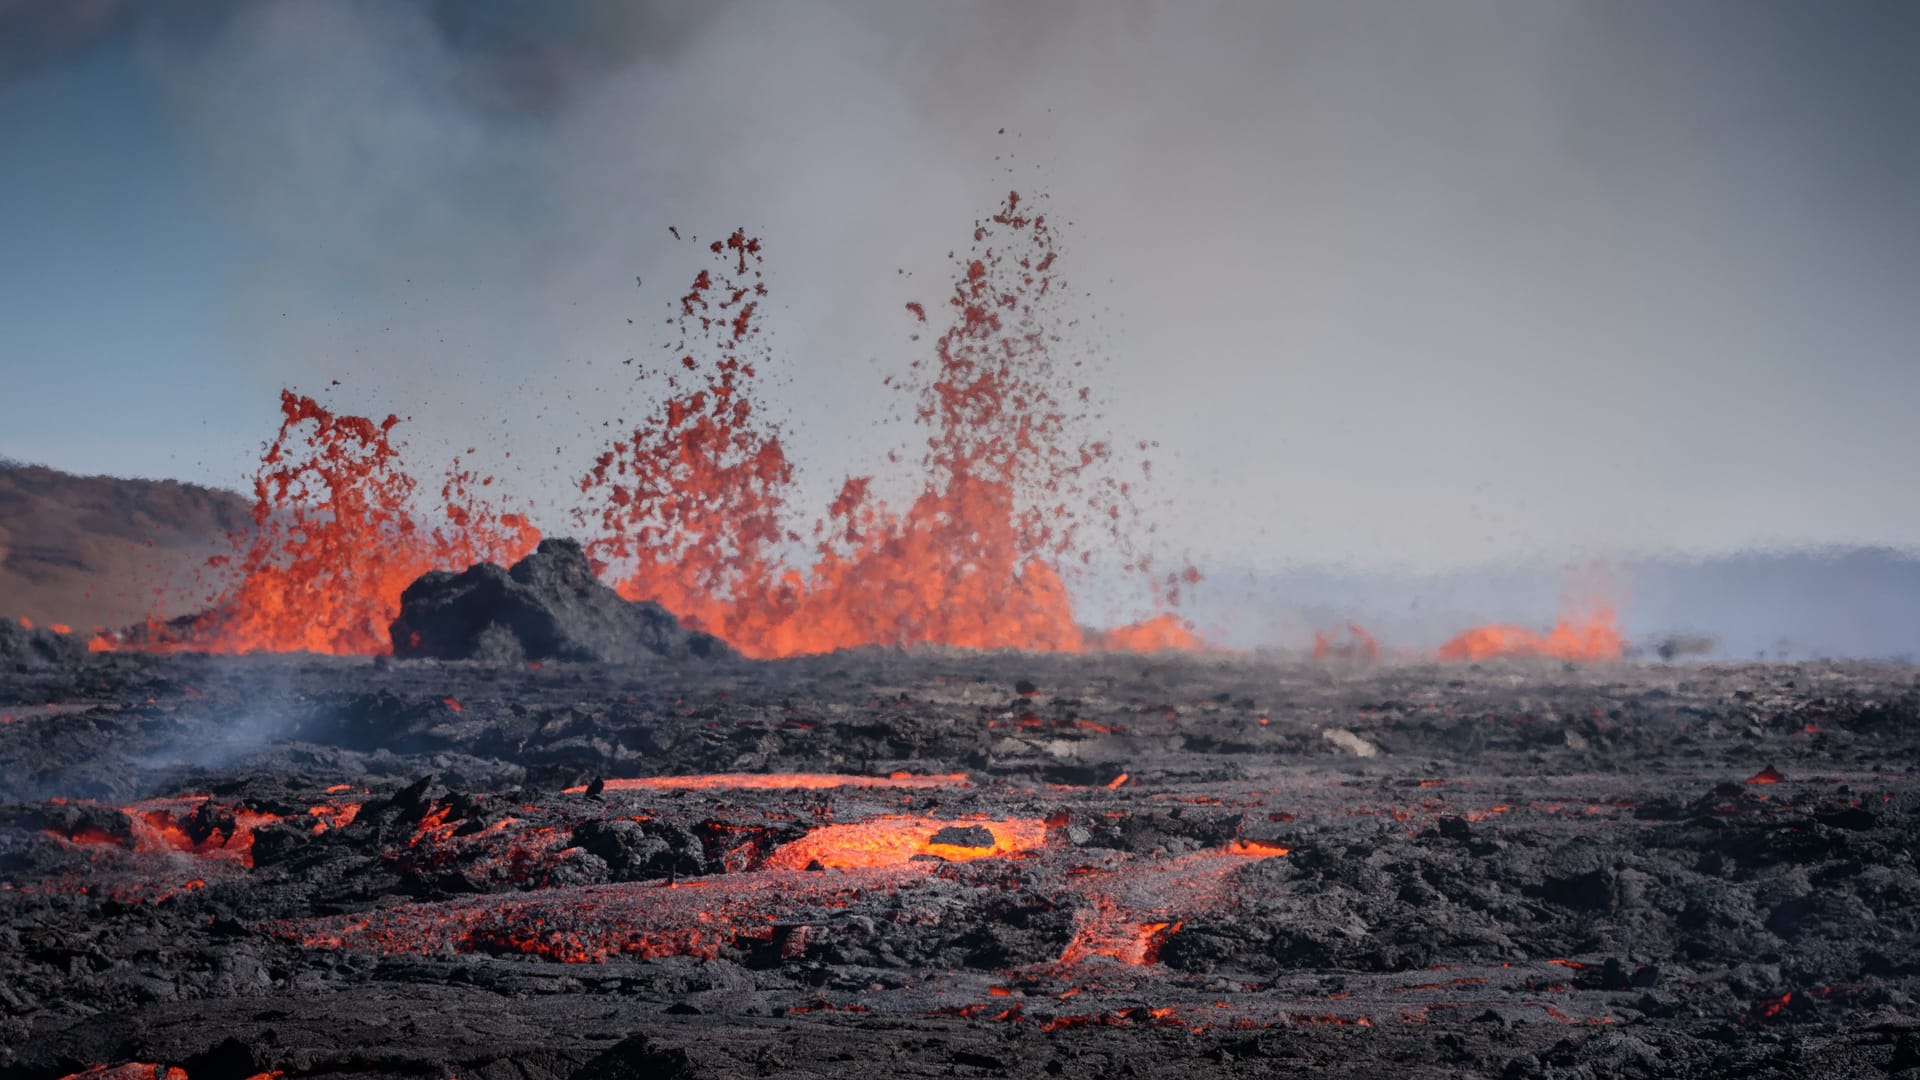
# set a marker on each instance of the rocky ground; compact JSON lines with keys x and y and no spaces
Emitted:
{"x":947,"y":864}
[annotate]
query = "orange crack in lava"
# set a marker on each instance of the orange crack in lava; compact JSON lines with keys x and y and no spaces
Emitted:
{"x":1128,"y":921}
{"x":897,"y":840}
{"x":779,"y":782}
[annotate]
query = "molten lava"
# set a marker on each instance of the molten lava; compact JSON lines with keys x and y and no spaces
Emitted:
{"x":690,"y":509}
{"x":337,"y":536}
{"x":1129,"y":918}
{"x":1163,"y":632}
{"x":1593,"y":636}
{"x":691,"y":503}
{"x":190,"y":825}
{"x":692,"y":506}
{"x":703,"y":917}
{"x":898,"y":841}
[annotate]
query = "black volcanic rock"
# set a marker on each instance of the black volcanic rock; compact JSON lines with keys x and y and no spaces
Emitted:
{"x":964,"y":836}
{"x":425,"y":896}
{"x":23,"y":649}
{"x":548,"y":607}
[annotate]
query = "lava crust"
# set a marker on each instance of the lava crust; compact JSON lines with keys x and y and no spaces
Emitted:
{"x":879,"y":863}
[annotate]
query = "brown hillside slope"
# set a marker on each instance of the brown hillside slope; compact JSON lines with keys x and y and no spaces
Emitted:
{"x":93,"y":550}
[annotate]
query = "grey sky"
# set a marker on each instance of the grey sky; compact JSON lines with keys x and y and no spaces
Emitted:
{"x":1414,"y":285}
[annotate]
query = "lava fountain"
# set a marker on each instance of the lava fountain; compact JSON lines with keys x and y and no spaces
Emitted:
{"x":692,"y":506}
{"x":339,"y":531}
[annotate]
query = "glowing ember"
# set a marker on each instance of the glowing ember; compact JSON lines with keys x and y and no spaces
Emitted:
{"x":898,"y":841}
{"x":1768,"y":775}
{"x":778,"y":782}
{"x":1593,"y":636}
{"x":328,"y":816}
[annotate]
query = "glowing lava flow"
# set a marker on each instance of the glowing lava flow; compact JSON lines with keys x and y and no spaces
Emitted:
{"x":1593,"y":636}
{"x":190,"y":825}
{"x":778,"y":782}
{"x":1129,"y":916}
{"x":702,"y":917}
{"x":899,"y":841}
{"x":692,"y":504}
{"x":337,"y":536}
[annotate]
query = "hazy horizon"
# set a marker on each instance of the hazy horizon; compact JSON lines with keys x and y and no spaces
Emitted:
{"x":1397,"y":289}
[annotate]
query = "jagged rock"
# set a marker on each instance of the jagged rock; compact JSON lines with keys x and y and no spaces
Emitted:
{"x":965,"y":836}
{"x":549,"y":606}
{"x":22,"y":649}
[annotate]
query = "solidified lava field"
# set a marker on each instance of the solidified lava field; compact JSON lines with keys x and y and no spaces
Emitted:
{"x":937,"y":863}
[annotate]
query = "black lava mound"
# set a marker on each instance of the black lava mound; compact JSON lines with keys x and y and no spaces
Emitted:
{"x":30,"y":649}
{"x":548,"y":607}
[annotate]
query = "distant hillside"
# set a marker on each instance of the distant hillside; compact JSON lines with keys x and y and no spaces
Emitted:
{"x":91,"y":550}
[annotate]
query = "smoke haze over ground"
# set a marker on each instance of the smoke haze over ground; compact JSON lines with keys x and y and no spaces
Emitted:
{"x":1400,"y":289}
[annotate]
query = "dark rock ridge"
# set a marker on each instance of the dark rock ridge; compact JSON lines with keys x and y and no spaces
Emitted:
{"x":91,"y":551}
{"x":23,"y":649}
{"x":549,"y":606}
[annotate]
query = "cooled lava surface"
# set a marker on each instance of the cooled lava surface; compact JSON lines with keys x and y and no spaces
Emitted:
{"x":938,"y":863}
